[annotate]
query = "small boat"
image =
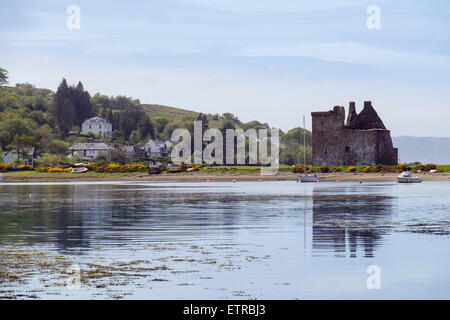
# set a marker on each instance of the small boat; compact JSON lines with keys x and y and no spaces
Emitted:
{"x":80,"y":164}
{"x":79,"y":170}
{"x":312,"y":178}
{"x":405,"y":177}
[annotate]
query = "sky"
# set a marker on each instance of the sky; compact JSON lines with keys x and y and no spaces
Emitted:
{"x":267,"y":60}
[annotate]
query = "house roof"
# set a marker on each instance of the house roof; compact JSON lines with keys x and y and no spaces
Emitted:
{"x":91,"y":146}
{"x":5,"y":153}
{"x":95,"y":120}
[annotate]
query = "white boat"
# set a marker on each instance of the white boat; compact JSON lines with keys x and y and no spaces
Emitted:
{"x":80,"y":164}
{"x":405,"y":177}
{"x":308,"y":178}
{"x":79,"y":170}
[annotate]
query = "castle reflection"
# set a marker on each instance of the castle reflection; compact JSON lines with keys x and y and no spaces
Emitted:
{"x":345,"y":220}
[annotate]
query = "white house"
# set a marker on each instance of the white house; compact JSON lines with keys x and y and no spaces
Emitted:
{"x":90,"y":150}
{"x":10,"y":156}
{"x":155,"y":148}
{"x":97,"y":126}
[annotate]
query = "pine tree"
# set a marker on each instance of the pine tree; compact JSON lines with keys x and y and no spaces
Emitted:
{"x":63,"y":109}
{"x":82,"y":103}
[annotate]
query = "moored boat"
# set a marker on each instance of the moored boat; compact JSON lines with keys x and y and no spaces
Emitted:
{"x":312,"y":178}
{"x":79,"y":170}
{"x":405,"y":177}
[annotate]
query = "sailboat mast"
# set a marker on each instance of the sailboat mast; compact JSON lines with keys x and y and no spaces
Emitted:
{"x":304,"y":142}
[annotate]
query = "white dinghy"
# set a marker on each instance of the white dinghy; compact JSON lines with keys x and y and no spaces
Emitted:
{"x":405,"y":177}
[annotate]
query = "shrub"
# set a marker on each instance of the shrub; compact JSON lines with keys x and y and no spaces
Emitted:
{"x":430,"y":166}
{"x":299,"y":168}
{"x":324,"y":169}
{"x":420,"y":167}
{"x":25,"y":167}
{"x":5,"y":167}
{"x":116,"y":168}
{"x":336,"y":170}
{"x":51,"y":160}
{"x":402,"y":167}
{"x":54,"y":169}
{"x":369,"y":169}
{"x":351,"y":169}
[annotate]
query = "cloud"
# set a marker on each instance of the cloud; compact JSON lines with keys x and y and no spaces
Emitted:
{"x":276,"y":6}
{"x":347,"y":52}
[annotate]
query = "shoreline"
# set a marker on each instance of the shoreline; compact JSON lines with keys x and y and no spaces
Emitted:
{"x":217,"y":177}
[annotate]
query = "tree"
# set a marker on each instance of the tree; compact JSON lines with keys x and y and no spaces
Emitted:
{"x":82,"y":103}
{"x":160,"y":123}
{"x":204,"y":119}
{"x":118,"y":156}
{"x":71,"y":106}
{"x":3,"y":76}
{"x":145,"y":127}
{"x":22,"y":144}
{"x":58,"y":147}
{"x":63,"y":109}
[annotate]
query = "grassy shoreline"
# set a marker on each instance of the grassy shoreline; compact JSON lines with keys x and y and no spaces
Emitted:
{"x":217,"y":175}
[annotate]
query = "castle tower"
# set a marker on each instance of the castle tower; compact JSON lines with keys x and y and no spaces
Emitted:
{"x":351,"y":113}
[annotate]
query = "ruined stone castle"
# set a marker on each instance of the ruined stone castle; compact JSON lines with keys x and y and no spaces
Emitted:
{"x":361,"y":140}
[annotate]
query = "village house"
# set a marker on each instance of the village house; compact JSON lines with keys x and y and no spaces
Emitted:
{"x":134,"y":151}
{"x":97,"y":126}
{"x":90,"y":150}
{"x":155,"y":148}
{"x":11,"y":156}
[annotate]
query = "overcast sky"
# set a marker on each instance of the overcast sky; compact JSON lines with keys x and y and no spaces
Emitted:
{"x":266,"y":60}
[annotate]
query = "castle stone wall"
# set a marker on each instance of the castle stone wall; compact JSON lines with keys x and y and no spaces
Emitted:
{"x":336,"y":143}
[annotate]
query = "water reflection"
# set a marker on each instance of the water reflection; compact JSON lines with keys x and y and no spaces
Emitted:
{"x":74,"y":218}
{"x":344,"y":218}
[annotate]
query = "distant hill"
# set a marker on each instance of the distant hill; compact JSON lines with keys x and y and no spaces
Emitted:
{"x":423,"y":149}
{"x":156,"y":110}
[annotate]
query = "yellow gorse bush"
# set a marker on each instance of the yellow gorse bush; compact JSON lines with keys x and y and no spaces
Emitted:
{"x":5,"y":167}
{"x":54,"y":169}
{"x":25,"y":167}
{"x":116,"y":168}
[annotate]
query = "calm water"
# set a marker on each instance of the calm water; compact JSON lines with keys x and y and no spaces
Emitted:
{"x":263,"y":240}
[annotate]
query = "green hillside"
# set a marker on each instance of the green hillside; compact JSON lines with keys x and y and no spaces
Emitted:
{"x":156,"y":110}
{"x":50,"y":121}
